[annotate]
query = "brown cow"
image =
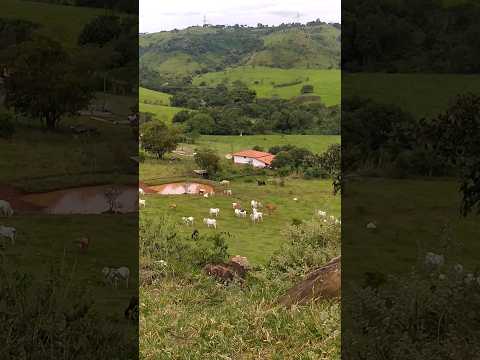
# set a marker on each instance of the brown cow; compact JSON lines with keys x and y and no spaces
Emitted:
{"x":270,"y":208}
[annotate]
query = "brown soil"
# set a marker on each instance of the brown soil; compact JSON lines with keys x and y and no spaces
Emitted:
{"x":15,"y":198}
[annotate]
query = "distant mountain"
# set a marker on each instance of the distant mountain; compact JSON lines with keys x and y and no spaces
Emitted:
{"x":198,"y":50}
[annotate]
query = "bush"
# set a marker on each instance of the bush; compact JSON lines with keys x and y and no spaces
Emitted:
{"x":307,"y":89}
{"x":7,"y":128}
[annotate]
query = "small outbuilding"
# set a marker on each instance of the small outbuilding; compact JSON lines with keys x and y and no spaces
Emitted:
{"x":255,"y":158}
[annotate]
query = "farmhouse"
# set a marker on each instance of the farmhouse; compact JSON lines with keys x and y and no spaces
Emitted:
{"x":255,"y":158}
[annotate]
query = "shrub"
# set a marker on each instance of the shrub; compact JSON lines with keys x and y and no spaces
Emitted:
{"x":7,"y":128}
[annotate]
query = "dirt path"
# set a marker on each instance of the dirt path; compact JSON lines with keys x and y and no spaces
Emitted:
{"x":15,"y":198}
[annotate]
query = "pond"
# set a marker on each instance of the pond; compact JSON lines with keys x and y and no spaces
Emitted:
{"x":86,"y":200}
{"x":182,"y":188}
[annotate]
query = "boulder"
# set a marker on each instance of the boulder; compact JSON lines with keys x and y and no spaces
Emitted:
{"x":239,"y":264}
{"x":322,"y":283}
{"x":220,"y":271}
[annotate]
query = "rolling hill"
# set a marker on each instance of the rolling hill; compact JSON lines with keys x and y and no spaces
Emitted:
{"x":198,"y":50}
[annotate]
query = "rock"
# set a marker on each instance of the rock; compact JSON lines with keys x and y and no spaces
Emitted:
{"x":322,"y":283}
{"x":239,"y":264}
{"x":221,"y":272}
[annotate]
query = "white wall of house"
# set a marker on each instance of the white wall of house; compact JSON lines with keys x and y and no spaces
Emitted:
{"x":247,"y":160}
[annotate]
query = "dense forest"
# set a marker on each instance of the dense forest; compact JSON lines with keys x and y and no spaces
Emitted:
{"x":127,"y":6}
{"x":411,"y":36}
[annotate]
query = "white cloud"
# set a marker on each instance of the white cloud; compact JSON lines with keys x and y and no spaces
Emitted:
{"x":157,"y":15}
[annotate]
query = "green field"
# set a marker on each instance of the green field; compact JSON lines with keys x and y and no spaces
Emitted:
{"x":326,"y":82}
{"x":403,"y":227}
{"x":152,"y":97}
{"x":420,"y":94}
{"x":38,"y":161}
{"x":45,"y":239}
{"x":256,"y":242}
{"x":63,"y":23}
{"x":228,"y":144}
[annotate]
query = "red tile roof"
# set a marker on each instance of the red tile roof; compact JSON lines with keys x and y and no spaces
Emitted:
{"x":264,"y":157}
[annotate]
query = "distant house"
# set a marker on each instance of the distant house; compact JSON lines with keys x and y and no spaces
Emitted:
{"x":255,"y":158}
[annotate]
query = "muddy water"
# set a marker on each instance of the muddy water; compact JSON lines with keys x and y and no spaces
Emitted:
{"x":84,"y":200}
{"x":181,"y":188}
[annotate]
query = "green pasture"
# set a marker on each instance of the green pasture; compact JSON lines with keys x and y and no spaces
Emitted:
{"x":160,"y":112}
{"x":38,"y":160}
{"x":405,"y":226}
{"x":326,"y":83}
{"x":255,"y":241}
{"x":153,"y":97}
{"x":228,"y":144}
{"x":43,"y":240}
{"x":424,"y":95}
{"x":60,"y":22}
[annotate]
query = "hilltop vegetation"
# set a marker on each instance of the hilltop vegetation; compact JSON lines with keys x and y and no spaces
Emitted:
{"x":280,"y":83}
{"x":198,"y":50}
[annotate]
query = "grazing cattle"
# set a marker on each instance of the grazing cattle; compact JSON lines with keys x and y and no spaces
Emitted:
{"x":254,"y":204}
{"x":210,"y":222}
{"x":5,"y":208}
{"x":228,"y":192}
{"x":9,"y":233}
{"x":214,"y":211}
{"x":141,"y":202}
{"x":270,"y":208}
{"x":195,"y":234}
{"x":256,"y":216}
{"x":332,"y":218}
{"x":113,"y":276}
{"x":131,"y":312}
{"x":321,"y":213}
{"x":172,"y":206}
{"x":225,"y":182}
{"x":295,"y":199}
{"x":434,"y":260}
{"x":188,"y":220}
{"x":371,"y":226}
{"x":141,"y":192}
{"x":261,"y":183}
{"x":240,"y":213}
{"x":83,"y":243}
{"x":205,"y":195}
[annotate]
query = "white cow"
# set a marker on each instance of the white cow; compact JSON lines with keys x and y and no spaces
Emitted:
{"x":5,"y":208}
{"x":321,"y":213}
{"x":141,"y":192}
{"x":371,"y":226}
{"x":214,"y":211}
{"x":256,"y":216}
{"x":113,"y":276}
{"x":225,"y":182}
{"x":235,"y":205}
{"x":205,"y":195}
{"x":240,"y":213}
{"x":188,"y":220}
{"x":228,"y":192}
{"x":210,"y":222}
{"x":254,"y":204}
{"x":8,"y":232}
{"x":141,"y":202}
{"x":432,"y":259}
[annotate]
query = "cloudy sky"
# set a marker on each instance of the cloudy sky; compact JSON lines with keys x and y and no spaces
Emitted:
{"x":158,"y":15}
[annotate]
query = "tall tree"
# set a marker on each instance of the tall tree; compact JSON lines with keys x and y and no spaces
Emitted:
{"x":45,"y":82}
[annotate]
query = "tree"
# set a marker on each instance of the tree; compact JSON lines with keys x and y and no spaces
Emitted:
{"x":100,"y":30}
{"x":202,"y":123}
{"x":46,"y":83}
{"x":158,"y":138}
{"x":209,"y":160}
{"x":307,"y":89}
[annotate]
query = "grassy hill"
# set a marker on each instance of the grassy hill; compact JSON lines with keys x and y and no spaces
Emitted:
{"x":153,"y":97}
{"x":283,"y":83}
{"x":158,"y":104}
{"x":60,"y":22}
{"x":420,"y":94}
{"x":198,"y":50}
